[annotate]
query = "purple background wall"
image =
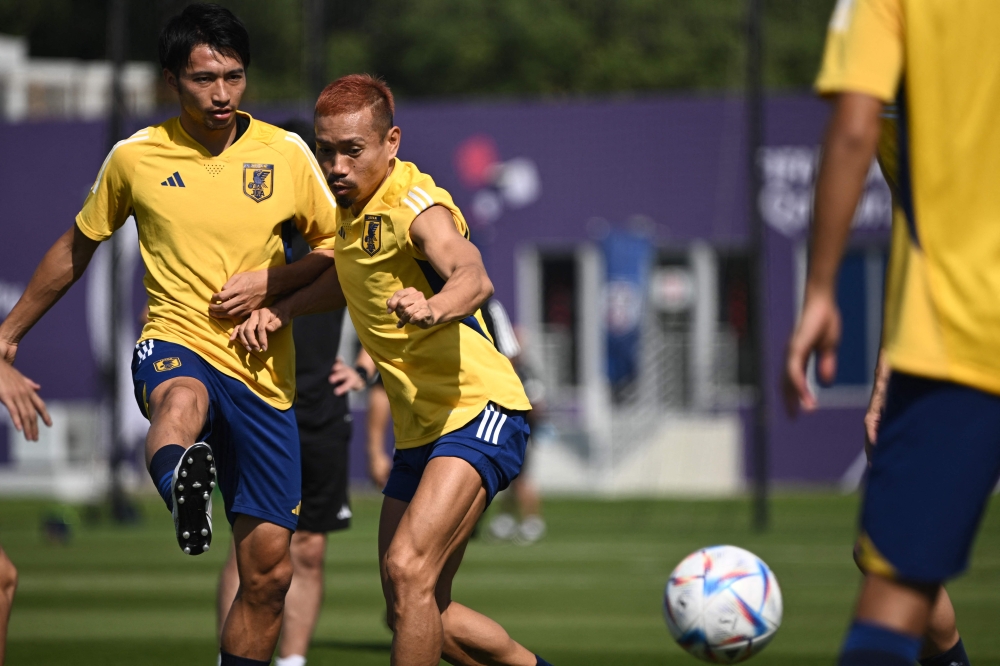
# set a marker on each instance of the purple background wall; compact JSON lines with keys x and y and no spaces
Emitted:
{"x":677,"y":161}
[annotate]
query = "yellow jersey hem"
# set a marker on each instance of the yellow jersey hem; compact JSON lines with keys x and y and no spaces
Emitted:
{"x":415,"y":442}
{"x":282,"y":405}
{"x":954,"y":372}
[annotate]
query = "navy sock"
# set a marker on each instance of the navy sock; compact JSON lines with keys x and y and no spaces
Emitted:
{"x":872,"y":645}
{"x":161,"y":469}
{"x":233,"y":660}
{"x":541,"y":662}
{"x":954,"y":657}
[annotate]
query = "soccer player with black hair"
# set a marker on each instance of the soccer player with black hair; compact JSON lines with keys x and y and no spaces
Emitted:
{"x":414,"y":285}
{"x":938,"y":454}
{"x":209,"y":190}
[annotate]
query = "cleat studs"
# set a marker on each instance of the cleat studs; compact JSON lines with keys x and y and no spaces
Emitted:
{"x":209,"y":457}
{"x":180,"y":486}
{"x":184,"y":473}
{"x":196,"y":484}
{"x":205,"y":496}
{"x":212,"y":469}
{"x":187,"y":549}
{"x":204,"y":548}
{"x":186,"y":535}
{"x":180,"y":500}
{"x":204,"y":531}
{"x":190,"y":461}
{"x":211,"y":484}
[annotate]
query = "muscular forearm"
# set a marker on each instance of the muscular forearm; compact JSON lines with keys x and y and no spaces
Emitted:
{"x":847,"y":156}
{"x":61,"y":266}
{"x":298,"y":274}
{"x":467,"y":288}
{"x":323,"y":295}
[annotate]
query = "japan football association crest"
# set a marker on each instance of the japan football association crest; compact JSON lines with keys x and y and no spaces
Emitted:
{"x":258,"y":181}
{"x":371,"y":240}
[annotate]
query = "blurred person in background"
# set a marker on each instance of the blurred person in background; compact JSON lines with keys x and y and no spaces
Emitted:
{"x":520,"y":518}
{"x":377,"y":420}
{"x":324,"y":424}
{"x":414,"y":285}
{"x":20,"y":396}
{"x":937,"y":460}
{"x":209,"y":190}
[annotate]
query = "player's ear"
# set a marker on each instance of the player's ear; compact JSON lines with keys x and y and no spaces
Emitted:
{"x":170,"y":79}
{"x":393,"y":137}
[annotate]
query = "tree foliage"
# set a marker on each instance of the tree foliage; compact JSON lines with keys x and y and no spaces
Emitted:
{"x":434,"y":48}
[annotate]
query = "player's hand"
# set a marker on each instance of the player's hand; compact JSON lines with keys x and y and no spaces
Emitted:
{"x":411,"y":306}
{"x":241,"y":295}
{"x":873,"y":417}
{"x":252,"y":333}
{"x":379,"y":466}
{"x":818,"y":331}
{"x":19,"y":396}
{"x":345,"y":378}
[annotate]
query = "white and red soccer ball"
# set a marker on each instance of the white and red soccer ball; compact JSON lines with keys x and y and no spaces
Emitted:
{"x":722,"y":604}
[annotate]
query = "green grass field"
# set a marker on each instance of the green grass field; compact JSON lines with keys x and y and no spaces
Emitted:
{"x":588,"y":594}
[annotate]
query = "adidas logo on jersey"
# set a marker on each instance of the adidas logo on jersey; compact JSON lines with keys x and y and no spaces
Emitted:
{"x":173,"y":181}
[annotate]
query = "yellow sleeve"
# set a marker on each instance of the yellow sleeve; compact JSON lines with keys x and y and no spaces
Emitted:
{"x":421,"y":195}
{"x":864,"y":49}
{"x":109,"y":201}
{"x":315,"y":208}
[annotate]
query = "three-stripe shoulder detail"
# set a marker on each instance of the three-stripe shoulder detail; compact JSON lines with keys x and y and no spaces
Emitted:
{"x":141,"y":135}
{"x":297,"y":141}
{"x":418,"y":200}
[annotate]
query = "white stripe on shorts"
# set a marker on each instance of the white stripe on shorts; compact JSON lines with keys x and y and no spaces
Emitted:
{"x":482,"y":424}
{"x":489,"y":428}
{"x":496,"y":434}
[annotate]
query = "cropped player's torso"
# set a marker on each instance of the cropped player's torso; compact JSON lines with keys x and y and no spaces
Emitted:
{"x":202,"y":219}
{"x":437,"y":379}
{"x":934,"y":59}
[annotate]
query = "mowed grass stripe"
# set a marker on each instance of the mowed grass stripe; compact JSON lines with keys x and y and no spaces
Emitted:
{"x":590,"y":593}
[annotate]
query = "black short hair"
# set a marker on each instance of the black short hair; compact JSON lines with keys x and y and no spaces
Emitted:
{"x":203,"y":23}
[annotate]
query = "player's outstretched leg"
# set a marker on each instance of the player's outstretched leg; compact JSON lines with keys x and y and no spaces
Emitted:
{"x":942,"y":644}
{"x":8,"y":585}
{"x":184,"y":473}
{"x":265,"y":568}
{"x":417,"y":542}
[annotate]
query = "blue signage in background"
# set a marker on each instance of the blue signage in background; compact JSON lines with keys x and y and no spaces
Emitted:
{"x":628,"y":258}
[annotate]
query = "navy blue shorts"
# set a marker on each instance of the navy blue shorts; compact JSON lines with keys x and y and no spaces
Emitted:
{"x":493,"y":443}
{"x":256,"y":446}
{"x":933,"y":471}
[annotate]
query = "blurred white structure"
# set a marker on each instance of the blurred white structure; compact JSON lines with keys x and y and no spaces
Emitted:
{"x":676,"y":429}
{"x":39,"y":88}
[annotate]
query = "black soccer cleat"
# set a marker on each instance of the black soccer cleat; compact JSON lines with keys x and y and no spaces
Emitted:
{"x":194,"y":480}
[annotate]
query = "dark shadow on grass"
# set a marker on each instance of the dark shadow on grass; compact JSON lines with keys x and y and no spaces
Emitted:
{"x":357,"y":646}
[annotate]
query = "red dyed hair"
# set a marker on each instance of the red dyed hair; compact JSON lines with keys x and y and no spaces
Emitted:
{"x":355,"y":92}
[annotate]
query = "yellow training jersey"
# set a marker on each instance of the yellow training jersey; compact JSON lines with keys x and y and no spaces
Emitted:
{"x":202,"y":220}
{"x":933,"y":58}
{"x":437,"y":379}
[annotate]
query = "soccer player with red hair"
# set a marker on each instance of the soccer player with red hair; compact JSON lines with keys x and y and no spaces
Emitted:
{"x":414,"y":285}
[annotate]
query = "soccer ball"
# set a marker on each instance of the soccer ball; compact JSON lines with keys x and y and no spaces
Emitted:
{"x":722,"y":604}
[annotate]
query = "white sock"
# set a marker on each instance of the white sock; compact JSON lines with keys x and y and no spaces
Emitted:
{"x":291,"y":660}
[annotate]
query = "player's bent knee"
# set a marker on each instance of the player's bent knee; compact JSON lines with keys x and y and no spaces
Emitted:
{"x":178,"y":402}
{"x":408,"y":572}
{"x":8,"y":576}
{"x":268,"y":588}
